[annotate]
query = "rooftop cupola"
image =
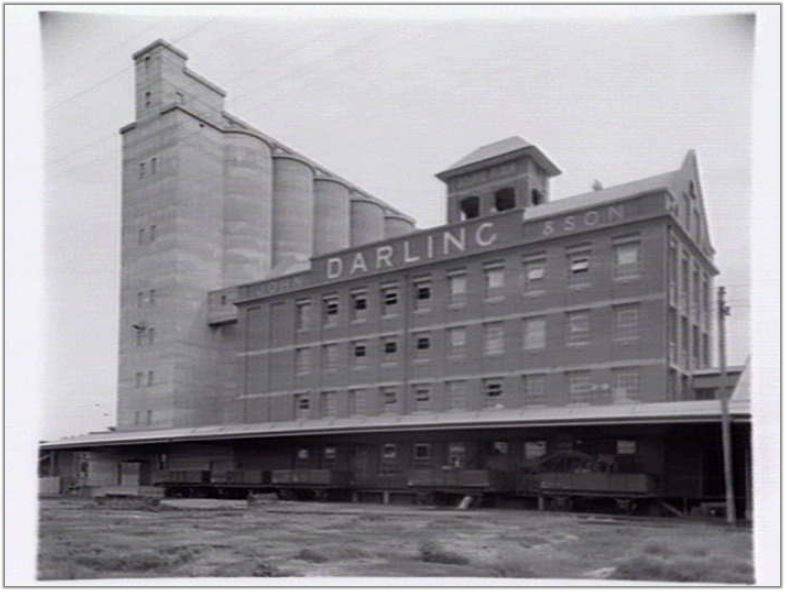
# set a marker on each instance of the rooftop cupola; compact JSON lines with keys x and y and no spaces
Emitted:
{"x":507,"y":174}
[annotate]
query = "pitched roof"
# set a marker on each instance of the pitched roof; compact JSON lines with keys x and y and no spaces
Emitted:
{"x":499,"y":148}
{"x":595,"y":198}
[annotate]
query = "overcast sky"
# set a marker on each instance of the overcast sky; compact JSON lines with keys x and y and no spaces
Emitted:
{"x":386,"y":98}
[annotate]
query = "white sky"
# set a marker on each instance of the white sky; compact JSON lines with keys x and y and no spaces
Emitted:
{"x":386,"y":97}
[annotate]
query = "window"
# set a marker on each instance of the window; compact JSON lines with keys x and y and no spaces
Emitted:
{"x":141,"y":170}
{"x":139,"y":334}
{"x":705,"y":350}
{"x":705,"y":301}
{"x":457,"y":455}
{"x":389,"y":346}
{"x":626,"y":447}
{"x":302,"y":406}
{"x":302,"y":313}
{"x":684,"y":341}
{"x":150,"y":377}
{"x":390,"y":298}
{"x":147,"y":99}
{"x":626,"y":385}
{"x":389,"y":451}
{"x":457,"y":394}
{"x":579,"y":267}
{"x":422,"y":451}
{"x":152,"y":297}
{"x":390,"y":398}
{"x":626,"y":322}
{"x":356,"y":400}
{"x":359,"y":352}
{"x":457,"y":286}
{"x":330,"y":307}
{"x":141,"y":237}
{"x":626,"y":260}
{"x":422,"y":344}
{"x":147,"y":63}
{"x":140,"y":299}
{"x":578,"y":328}
{"x":534,"y":273}
{"x":136,"y":418}
{"x":329,"y":453}
{"x":422,"y":397}
{"x":535,"y":335}
{"x":423,"y":294}
{"x":695,"y":345}
{"x":457,"y":339}
{"x":328,"y":404}
{"x":151,"y":335}
{"x":302,"y":454}
{"x":152,"y":232}
{"x":138,"y":379}
{"x":695,"y":289}
{"x":505,"y":199}
{"x":500,"y":448}
{"x":494,"y":339}
{"x":153,"y":165}
{"x":493,"y":392}
{"x":535,"y":449}
{"x":149,"y":417}
{"x":536,"y":197}
{"x":360,"y":303}
{"x":302,"y":360}
{"x":494,"y":278}
{"x":685,"y":289}
{"x":331,"y":357}
{"x":534,"y":389}
{"x":469,"y":208}
{"x":579,"y":386}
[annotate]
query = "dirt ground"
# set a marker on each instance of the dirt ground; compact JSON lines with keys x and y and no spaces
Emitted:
{"x":80,"y":540}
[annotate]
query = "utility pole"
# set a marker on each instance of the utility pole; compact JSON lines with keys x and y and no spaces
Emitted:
{"x":724,"y":400}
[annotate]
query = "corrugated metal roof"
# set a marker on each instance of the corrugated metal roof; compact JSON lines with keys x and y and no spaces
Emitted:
{"x":673,"y":411}
{"x":595,"y":198}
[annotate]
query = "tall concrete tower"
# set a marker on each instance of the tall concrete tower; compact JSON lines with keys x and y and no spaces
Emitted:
{"x":209,"y":202}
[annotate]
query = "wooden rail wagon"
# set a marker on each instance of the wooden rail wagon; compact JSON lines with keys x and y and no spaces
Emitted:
{"x":460,"y":479}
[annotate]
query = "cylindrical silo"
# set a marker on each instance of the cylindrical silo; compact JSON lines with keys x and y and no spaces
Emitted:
{"x":248,"y":207}
{"x":397,"y":225}
{"x":331,"y":215}
{"x":293,"y":212}
{"x":367,"y":220}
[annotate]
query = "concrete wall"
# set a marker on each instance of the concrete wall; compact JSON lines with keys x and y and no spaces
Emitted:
{"x":331,"y":216}
{"x":367,"y":220}
{"x":293,"y":212}
{"x":248,"y":209}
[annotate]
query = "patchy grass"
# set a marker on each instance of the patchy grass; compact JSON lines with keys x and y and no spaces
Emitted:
{"x":79,"y":540}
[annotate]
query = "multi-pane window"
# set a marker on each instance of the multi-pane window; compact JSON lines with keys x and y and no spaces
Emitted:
{"x":390,"y":347}
{"x":422,"y":451}
{"x":534,"y":389}
{"x":494,"y":339}
{"x":626,"y":321}
{"x":535,"y":449}
{"x":457,"y":286}
{"x":302,"y":360}
{"x":359,"y":352}
{"x":627,"y":384}
{"x":535,"y":333}
{"x":330,"y":357}
{"x":328,"y":404}
{"x":360,"y":306}
{"x":356,"y":402}
{"x":302,"y":314}
{"x":457,"y":340}
{"x":579,"y":267}
{"x":627,"y":259}
{"x":390,"y":398}
{"x":389,"y":451}
{"x":423,"y":294}
{"x":457,"y":394}
{"x":390,"y":299}
{"x":423,"y":343}
{"x":302,"y":406}
{"x":422,"y":398}
{"x":494,"y":279}
{"x":493,"y":392}
{"x":579,"y":386}
{"x":330,"y":308}
{"x":578,"y":327}
{"x":535,"y":271}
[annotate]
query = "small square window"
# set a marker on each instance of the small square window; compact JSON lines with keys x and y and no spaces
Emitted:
{"x":389,"y":346}
{"x":535,"y":449}
{"x":500,"y":447}
{"x":422,"y":343}
{"x":422,"y":451}
{"x":626,"y":447}
{"x":329,"y":453}
{"x":390,"y":299}
{"x":535,"y":270}
{"x":359,"y":350}
{"x":389,"y":451}
{"x":303,"y":454}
